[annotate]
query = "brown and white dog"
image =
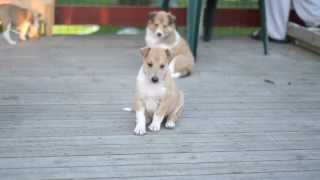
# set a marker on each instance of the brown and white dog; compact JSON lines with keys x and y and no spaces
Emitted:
{"x":161,"y":32}
{"x":157,"y":96}
{"x":24,"y":21}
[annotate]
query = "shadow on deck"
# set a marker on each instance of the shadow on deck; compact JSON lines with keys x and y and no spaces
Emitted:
{"x":247,"y":116}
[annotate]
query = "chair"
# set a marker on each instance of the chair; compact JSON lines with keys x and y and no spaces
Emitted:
{"x":193,"y":22}
{"x":209,"y":13}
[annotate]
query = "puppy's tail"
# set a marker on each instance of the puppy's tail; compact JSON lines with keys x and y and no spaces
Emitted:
{"x":127,"y":109}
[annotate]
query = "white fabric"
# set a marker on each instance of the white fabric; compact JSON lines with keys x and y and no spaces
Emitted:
{"x":277,"y":12}
{"x":308,"y":11}
{"x":6,"y":34}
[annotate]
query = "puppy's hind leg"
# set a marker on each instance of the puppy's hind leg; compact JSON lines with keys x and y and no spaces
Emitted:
{"x":181,"y":66}
{"x":6,"y":34}
{"x":173,"y":117}
{"x":24,"y":31}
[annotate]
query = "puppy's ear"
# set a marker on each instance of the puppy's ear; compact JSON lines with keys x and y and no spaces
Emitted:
{"x":169,"y":54}
{"x":144,"y":51}
{"x":152,"y":15}
{"x":172,"y":18}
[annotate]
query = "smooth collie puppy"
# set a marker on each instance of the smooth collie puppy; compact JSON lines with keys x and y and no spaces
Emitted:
{"x":157,"y":96}
{"x":25,"y":22}
{"x":161,"y":33}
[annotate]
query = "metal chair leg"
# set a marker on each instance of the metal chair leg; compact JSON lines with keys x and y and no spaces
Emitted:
{"x":194,"y":10}
{"x":264,"y":32}
{"x":165,"y":5}
{"x":209,"y":13}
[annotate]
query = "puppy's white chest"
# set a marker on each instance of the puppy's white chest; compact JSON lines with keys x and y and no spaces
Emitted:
{"x":151,"y":95}
{"x":151,"y":104}
{"x":149,"y":92}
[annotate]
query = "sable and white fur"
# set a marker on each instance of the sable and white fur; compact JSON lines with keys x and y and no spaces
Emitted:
{"x":16,"y":19}
{"x":161,"y":32}
{"x":157,"y":96}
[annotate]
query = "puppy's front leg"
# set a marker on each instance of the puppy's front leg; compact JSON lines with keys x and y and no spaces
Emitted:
{"x":159,"y":115}
{"x":156,"y":122}
{"x":24,"y":30}
{"x":140,"y":122}
{"x":162,"y":111}
{"x":140,"y":128}
{"x":6,"y":34}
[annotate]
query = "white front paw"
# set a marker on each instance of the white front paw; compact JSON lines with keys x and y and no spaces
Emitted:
{"x":170,"y":124}
{"x":155,"y":126}
{"x":140,"y":129}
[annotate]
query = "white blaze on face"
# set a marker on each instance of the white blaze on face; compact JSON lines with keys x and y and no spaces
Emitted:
{"x":159,"y":32}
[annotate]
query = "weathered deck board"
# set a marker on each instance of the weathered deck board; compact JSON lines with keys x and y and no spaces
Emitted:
{"x":247,"y":116}
{"x":176,"y":169}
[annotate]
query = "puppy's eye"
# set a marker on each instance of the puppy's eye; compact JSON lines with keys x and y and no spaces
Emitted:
{"x":150,"y":64}
{"x":162,"y":66}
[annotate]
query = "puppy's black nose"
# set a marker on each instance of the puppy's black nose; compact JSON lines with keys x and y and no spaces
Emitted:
{"x":155,"y":79}
{"x":159,"y":34}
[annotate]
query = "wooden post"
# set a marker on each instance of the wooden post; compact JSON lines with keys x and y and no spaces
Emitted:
{"x":49,"y":16}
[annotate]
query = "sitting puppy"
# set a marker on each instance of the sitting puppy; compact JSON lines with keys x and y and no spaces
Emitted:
{"x":24,"y":21}
{"x":157,"y":95}
{"x":161,"y":32}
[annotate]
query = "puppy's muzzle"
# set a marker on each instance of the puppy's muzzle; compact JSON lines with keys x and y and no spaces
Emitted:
{"x":155,"y":79}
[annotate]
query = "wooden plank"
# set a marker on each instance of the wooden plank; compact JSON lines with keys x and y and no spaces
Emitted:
{"x":311,"y":175}
{"x":162,"y":170}
{"x":308,"y":38}
{"x":60,"y":113}
{"x":155,"y":139}
{"x":104,"y":99}
{"x":174,"y":147}
{"x":164,"y":158}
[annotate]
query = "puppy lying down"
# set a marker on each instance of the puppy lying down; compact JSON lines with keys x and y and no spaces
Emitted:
{"x":161,"y":32}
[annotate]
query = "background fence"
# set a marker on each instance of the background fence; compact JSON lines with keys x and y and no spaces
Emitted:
{"x":220,"y":31}
{"x":83,"y":17}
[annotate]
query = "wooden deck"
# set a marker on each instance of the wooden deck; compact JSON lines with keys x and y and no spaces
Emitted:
{"x":246,"y":116}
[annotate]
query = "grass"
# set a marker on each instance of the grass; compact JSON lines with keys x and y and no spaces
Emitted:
{"x":82,"y":29}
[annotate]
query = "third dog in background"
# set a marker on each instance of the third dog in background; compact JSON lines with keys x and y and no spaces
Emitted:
{"x":24,"y":21}
{"x":161,"y":33}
